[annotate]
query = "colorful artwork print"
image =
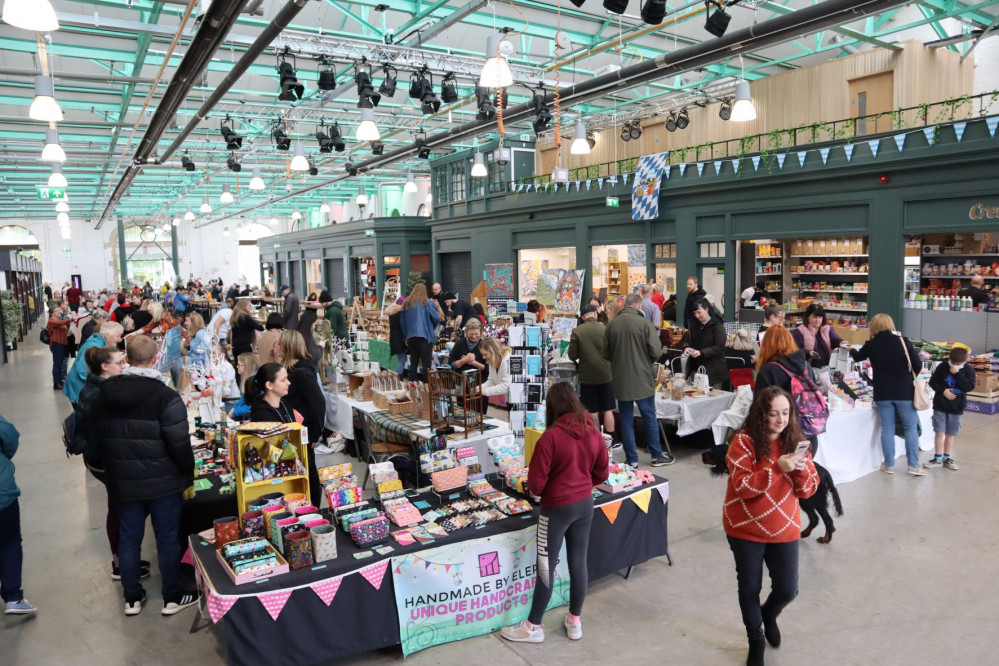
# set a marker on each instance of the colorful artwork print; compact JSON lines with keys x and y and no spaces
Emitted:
{"x":530,"y":272}
{"x":562,"y":327}
{"x":597,"y":268}
{"x":499,"y":281}
{"x":547,"y":285}
{"x":569,"y":291}
{"x":636,"y":255}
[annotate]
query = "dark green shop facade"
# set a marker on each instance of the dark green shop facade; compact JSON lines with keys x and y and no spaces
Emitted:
{"x":929,"y":189}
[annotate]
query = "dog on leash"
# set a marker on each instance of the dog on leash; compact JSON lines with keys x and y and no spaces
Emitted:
{"x":815,"y":506}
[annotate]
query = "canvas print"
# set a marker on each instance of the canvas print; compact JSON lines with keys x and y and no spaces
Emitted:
{"x":636,"y":255}
{"x":547,"y":285}
{"x":499,"y":281}
{"x":569,"y":291}
{"x":530,"y":271}
{"x":562,"y":327}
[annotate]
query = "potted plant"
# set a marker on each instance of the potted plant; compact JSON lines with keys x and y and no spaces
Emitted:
{"x":11,"y":318}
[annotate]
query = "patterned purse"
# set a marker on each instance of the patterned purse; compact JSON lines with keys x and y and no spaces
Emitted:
{"x":370,"y":532}
{"x":449,"y":479}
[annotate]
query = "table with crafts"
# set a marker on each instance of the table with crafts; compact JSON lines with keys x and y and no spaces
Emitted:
{"x":693,"y":413}
{"x":851,"y":445}
{"x":358,"y":603}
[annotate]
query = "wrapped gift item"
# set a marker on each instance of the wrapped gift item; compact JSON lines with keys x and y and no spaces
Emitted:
{"x":323,"y":543}
{"x":370,"y":532}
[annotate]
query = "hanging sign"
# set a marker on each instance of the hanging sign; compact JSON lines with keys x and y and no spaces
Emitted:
{"x":50,"y":193}
{"x":613,"y":202}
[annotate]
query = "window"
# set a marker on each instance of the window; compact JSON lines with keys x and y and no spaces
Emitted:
{"x":712,"y":250}
{"x":457,"y":181}
{"x":664,"y":251}
{"x":496,"y":178}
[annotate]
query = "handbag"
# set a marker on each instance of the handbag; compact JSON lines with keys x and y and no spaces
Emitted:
{"x":921,"y":399}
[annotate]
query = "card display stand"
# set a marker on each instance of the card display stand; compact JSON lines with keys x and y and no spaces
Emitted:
{"x":299,"y":483}
{"x":456,"y":400}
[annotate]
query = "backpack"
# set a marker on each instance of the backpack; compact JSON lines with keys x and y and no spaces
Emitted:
{"x":71,"y":437}
{"x":809,"y":402}
{"x":43,"y":336}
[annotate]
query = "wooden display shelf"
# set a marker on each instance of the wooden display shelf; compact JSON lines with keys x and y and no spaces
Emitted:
{"x":275,"y":481}
{"x":617,"y":285}
{"x":247,"y":492}
{"x":832,"y":274}
{"x":834,"y":291}
{"x":825,"y":256}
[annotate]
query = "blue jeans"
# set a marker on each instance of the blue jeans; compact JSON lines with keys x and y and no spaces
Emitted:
{"x":400,"y":365}
{"x":59,"y":362}
{"x":11,"y":555}
{"x":165,"y":512}
{"x":887,"y":410}
{"x":647,"y":408}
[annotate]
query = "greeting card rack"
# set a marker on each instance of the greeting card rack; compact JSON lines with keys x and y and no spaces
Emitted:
{"x":456,"y":400}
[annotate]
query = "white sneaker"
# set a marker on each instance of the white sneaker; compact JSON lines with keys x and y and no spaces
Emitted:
{"x":574,"y":631}
{"x":174,"y":607}
{"x":135,"y":607}
{"x":522,"y":632}
{"x":917,"y":470}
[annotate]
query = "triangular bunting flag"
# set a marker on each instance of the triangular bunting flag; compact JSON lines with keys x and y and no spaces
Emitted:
{"x":666,"y":170}
{"x":557,"y":184}
{"x":588,"y":183}
{"x":992,"y":123}
{"x":900,"y":141}
{"x":802,"y":154}
{"x":642,"y":499}
{"x":327,"y":589}
{"x":848,"y":149}
{"x":600,"y":183}
{"x":547,"y":185}
{"x":756,"y":162}
{"x":824,"y":152}
{"x":718,"y":166}
{"x":218,"y":606}
{"x":610,"y":510}
{"x":700,"y":168}
{"x":874,"y":144}
{"x":625,"y":176}
{"x":520,"y":188}
{"x":959,"y":130}
{"x":683,"y":167}
{"x":375,"y":573}
{"x":274,"y":602}
{"x":780,"y":160}
{"x":664,"y":492}
{"x":735,"y":165}
{"x":929,"y":133}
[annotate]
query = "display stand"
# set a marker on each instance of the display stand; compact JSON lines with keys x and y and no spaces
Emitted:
{"x":299,"y":483}
{"x":617,"y":278}
{"x":451,"y":391}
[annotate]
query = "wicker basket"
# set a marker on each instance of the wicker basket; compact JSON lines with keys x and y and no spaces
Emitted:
{"x":449,"y":479}
{"x":382,"y":402}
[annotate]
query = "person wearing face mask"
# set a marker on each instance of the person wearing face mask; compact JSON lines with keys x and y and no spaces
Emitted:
{"x":951,"y":381}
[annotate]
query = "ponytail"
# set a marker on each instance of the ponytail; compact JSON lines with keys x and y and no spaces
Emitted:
{"x":256,"y":386}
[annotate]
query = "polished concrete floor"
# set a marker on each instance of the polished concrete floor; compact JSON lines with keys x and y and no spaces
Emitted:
{"x":910,"y":577}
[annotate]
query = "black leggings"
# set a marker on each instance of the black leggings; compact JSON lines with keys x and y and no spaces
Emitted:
{"x":571,"y":522}
{"x":782,"y":563}
{"x":420,"y":350}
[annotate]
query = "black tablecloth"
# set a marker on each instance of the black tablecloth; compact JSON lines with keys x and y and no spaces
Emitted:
{"x":199,"y":513}
{"x":361,"y":618}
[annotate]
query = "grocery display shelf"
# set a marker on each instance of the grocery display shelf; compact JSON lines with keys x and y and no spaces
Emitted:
{"x":836,"y":291}
{"x":776,"y":273}
{"x":962,"y":254}
{"x":935,"y":277}
{"x":837,"y":309}
{"x":824,"y":256}
{"x":832,"y":274}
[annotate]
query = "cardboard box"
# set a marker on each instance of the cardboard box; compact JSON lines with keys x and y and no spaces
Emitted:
{"x":833,"y":246}
{"x":856,"y":336}
{"x":857,"y":246}
{"x":983,"y":406}
{"x":986,"y":382}
{"x":799,"y":247}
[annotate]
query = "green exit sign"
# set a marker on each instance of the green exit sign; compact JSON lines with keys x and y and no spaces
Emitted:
{"x":613,"y":202}
{"x":51,"y":193}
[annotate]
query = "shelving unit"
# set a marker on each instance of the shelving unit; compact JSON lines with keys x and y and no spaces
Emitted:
{"x":769,"y":264}
{"x":247,"y":492}
{"x":825,"y":269}
{"x":617,"y":278}
{"x":935,"y":257}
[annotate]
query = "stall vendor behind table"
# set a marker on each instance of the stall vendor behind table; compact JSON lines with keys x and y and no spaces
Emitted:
{"x":976,"y":291}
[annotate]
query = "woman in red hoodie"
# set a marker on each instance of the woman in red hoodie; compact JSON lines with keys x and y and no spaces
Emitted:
{"x":761,"y":514}
{"x":568,"y":460}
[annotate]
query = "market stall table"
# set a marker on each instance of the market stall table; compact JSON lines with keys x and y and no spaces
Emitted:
{"x":325,"y":612}
{"x":851,"y":445}
{"x":693,"y":414}
{"x":207,"y":504}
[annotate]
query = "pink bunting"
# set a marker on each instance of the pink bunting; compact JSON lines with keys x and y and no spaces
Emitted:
{"x":327,"y":589}
{"x":218,"y":606}
{"x":664,"y":492}
{"x":375,"y":573}
{"x":274,"y":602}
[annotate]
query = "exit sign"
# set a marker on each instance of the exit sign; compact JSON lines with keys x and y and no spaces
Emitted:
{"x":613,"y":202}
{"x":51,"y":193}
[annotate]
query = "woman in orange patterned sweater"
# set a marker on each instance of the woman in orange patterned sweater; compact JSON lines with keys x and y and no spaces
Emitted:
{"x":761,"y":514}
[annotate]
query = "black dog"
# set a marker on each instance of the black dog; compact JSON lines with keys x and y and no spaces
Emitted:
{"x":815,"y":506}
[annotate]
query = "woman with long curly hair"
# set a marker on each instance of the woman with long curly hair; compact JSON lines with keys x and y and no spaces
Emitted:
{"x":768,"y":472}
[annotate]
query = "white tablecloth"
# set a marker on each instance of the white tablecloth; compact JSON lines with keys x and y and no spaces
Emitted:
{"x":693,"y":414}
{"x":851,"y":445}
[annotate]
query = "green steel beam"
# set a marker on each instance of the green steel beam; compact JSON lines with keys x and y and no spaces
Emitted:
{"x":373,"y":30}
{"x":847,"y":32}
{"x":937,"y":28}
{"x":950,"y":8}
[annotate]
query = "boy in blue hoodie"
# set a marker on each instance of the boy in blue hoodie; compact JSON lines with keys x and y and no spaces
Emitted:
{"x":951,"y":381}
{"x":11,"y":555}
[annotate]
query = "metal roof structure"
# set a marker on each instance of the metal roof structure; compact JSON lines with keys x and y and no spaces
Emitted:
{"x":116,"y":63}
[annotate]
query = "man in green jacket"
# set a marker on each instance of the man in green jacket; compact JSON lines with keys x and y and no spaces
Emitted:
{"x":586,"y":350}
{"x":632,"y":347}
{"x":334,"y":315}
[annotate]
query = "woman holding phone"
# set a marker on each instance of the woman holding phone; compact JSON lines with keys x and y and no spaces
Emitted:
{"x":769,"y":469}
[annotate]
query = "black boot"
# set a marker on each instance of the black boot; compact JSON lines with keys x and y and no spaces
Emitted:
{"x":756,"y":648}
{"x":771,"y":630}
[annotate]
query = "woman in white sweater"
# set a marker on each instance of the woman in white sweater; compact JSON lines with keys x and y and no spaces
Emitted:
{"x":497,"y":355}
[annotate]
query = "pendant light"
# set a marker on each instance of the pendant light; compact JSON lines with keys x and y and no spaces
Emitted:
{"x":226,"y":196}
{"x":479,"y":166}
{"x":430,"y":197}
{"x":225,"y":231}
{"x":166,"y":226}
{"x":299,"y":162}
{"x":45,"y":107}
{"x":410,"y":183}
{"x":368,"y":130}
{"x":274,"y":221}
{"x":64,"y":232}
{"x":34,"y":15}
{"x":62,"y":207}
{"x":189,"y":216}
{"x":63,"y":218}
{"x":257,"y":183}
{"x":580,"y":146}
{"x":743,"y":108}
{"x":57,"y":179}
{"x":206,"y":207}
{"x":496,"y":70}
{"x":362,"y":197}
{"x":295,"y":215}
{"x":53,"y":152}
{"x":176,"y":219}
{"x":324,"y":208}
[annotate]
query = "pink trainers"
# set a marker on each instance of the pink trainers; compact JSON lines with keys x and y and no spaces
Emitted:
{"x":524,"y":632}
{"x":573,"y":629}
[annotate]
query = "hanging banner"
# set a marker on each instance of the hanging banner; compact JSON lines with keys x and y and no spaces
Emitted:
{"x":735,"y":165}
{"x":499,"y":281}
{"x":802,"y":154}
{"x":959,"y":130}
{"x":930,"y":133}
{"x":718,"y":166}
{"x":899,"y":141}
{"x":683,"y":167}
{"x":992,"y":123}
{"x":625,"y":177}
{"x":700,"y":169}
{"x":874,"y":144}
{"x":824,"y":152}
{"x":780,"y":160}
{"x":848,"y":149}
{"x":756,"y":162}
{"x":645,"y":190}
{"x":470,"y":589}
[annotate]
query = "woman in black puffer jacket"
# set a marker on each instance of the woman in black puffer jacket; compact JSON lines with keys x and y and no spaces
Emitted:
{"x":707,"y":345}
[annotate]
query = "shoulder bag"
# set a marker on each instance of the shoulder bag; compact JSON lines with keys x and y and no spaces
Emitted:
{"x":921,"y":399}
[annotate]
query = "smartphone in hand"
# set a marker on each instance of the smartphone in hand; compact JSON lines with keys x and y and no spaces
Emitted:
{"x":802,"y":448}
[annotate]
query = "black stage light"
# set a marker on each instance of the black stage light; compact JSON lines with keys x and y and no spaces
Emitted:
{"x":367,"y":98}
{"x":671,"y":121}
{"x":331,"y":141}
{"x":418,"y":84}
{"x":616,"y":6}
{"x":233,"y":164}
{"x":542,"y":116}
{"x":423,"y":149}
{"x":232,"y":140}
{"x":717,"y":22}
{"x":281,"y":140}
{"x":654,"y":11}
{"x":626,"y":132}
{"x":389,"y":82}
{"x":327,"y":76}
{"x":578,"y":3}
{"x":430,"y":103}
{"x":725,"y":112}
{"x":186,"y":162}
{"x":377,"y":148}
{"x":449,"y":88}
{"x":350,"y":169}
{"x":486,"y":109}
{"x":682,"y":120}
{"x":291,"y":89}
{"x":313,"y":171}
{"x":636,"y":130}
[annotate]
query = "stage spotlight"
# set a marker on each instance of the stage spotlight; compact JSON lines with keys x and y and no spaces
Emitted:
{"x":626,"y":132}
{"x":389,"y":82}
{"x":377,"y":148}
{"x":653,"y":11}
{"x":682,"y":120}
{"x":671,"y":121}
{"x":616,"y":6}
{"x":418,"y":84}
{"x":449,"y":88}
{"x":233,"y":164}
{"x":367,"y":98}
{"x":331,"y":141}
{"x":423,"y":149}
{"x":186,"y":162}
{"x":486,"y":109}
{"x":636,"y":130}
{"x":725,"y":112}
{"x":281,"y":139}
{"x":232,"y":140}
{"x":291,"y":89}
{"x":717,"y":22}
{"x":327,"y":75}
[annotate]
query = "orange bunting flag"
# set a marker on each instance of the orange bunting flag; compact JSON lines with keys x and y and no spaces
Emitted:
{"x":610,"y":510}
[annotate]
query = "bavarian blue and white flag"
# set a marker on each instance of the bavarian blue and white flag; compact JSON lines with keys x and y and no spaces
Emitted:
{"x":930,"y":133}
{"x":645,"y":188}
{"x":756,"y":162}
{"x":992,"y":123}
{"x":848,"y":149}
{"x":959,"y":130}
{"x":874,"y":144}
{"x":824,"y":152}
{"x":700,"y":169}
{"x":900,"y":141}
{"x":735,"y":165}
{"x":683,"y":167}
{"x":780,"y":160}
{"x":718,"y":166}
{"x":802,"y":154}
